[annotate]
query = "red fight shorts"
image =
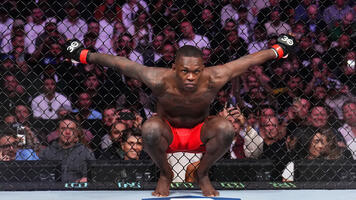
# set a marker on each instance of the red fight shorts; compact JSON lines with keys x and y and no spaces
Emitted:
{"x":186,"y":140}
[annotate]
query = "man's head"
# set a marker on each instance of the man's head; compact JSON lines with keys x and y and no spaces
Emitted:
{"x":312,"y":12}
{"x":349,"y":112}
{"x":93,"y":27}
{"x":252,"y":81}
{"x":22,"y":113}
{"x":229,"y":25}
{"x":84,"y":100}
{"x":301,"y":107}
{"x":320,"y":93}
{"x":348,"y":19}
{"x":158,"y":42}
{"x":344,"y":41}
{"x":37,"y":15}
{"x":92,"y":83}
{"x":109,"y":116}
{"x":168,"y":52}
{"x":260,"y":33}
{"x":69,"y":132}
{"x":8,"y":144}
{"x":188,"y":67}
{"x":275,"y":16}
{"x":116,"y":131}
{"x":132,"y":144}
{"x":207,"y":15}
{"x":187,"y":29}
{"x":49,"y":86}
{"x":10,"y":83}
{"x":318,"y":117}
{"x":269,"y":127}
{"x":127,"y":117}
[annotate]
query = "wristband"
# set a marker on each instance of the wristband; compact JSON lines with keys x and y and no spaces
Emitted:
{"x":278,"y":49}
{"x":83,"y":56}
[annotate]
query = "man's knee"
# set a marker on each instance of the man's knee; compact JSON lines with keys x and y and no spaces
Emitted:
{"x":225,"y":131}
{"x":152,"y":132}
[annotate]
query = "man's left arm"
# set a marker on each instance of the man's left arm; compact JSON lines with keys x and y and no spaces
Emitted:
{"x":285,"y":45}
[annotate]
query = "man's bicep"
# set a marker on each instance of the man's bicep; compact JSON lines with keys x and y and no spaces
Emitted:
{"x":237,"y":67}
{"x":152,"y":77}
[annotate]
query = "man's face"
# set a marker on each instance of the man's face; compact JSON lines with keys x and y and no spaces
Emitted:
{"x":301,"y":108}
{"x":55,"y":49}
{"x":295,"y":83}
{"x":305,"y":43}
{"x":92,"y":83}
{"x":252,"y":82}
{"x":85,"y":100}
{"x":318,"y":117}
{"x":116,"y":132}
{"x":49,"y":86}
{"x":125,"y":42}
{"x":10,"y":83}
{"x":206,"y":54}
{"x":317,"y":145}
{"x":349,"y":112}
{"x":109,"y":117}
{"x":186,"y":29}
{"x":68,"y":132}
{"x":340,"y":3}
{"x":188,"y":71}
{"x":267,"y":112}
{"x":22,"y":113}
{"x":320,"y":93}
{"x":37,"y":15}
{"x":18,"y":41}
{"x":206,"y":15}
{"x":275,"y":16}
{"x":158,"y":42}
{"x":344,"y":41}
{"x":132,"y":147}
{"x":229,"y":26}
{"x":168,"y":52}
{"x":94,"y":27}
{"x":347,"y":19}
{"x":269,"y":126}
{"x":8,"y":148}
{"x":312,"y":12}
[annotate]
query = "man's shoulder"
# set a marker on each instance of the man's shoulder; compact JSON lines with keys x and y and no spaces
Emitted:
{"x":38,"y":98}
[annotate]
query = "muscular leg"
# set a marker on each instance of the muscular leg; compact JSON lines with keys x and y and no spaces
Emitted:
{"x":157,"y":136}
{"x":217,"y":134}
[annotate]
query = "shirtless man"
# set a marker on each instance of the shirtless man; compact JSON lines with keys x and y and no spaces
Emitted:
{"x":184,"y":94}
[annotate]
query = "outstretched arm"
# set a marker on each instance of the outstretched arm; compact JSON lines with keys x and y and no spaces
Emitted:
{"x":284,"y":46}
{"x":240,"y":65}
{"x":148,"y":75}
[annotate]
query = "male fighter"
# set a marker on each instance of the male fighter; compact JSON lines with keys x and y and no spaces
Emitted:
{"x":184,"y":94}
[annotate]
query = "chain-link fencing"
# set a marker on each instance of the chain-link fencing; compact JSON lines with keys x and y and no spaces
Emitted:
{"x":77,"y":126}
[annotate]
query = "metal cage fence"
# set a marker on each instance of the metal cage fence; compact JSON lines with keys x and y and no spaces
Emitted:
{"x":297,"y":121}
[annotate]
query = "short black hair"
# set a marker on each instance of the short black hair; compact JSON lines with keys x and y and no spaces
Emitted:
{"x":189,"y":51}
{"x":7,"y":130}
{"x":130,"y":132}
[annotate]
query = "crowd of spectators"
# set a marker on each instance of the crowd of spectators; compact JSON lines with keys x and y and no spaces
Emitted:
{"x":76,"y":112}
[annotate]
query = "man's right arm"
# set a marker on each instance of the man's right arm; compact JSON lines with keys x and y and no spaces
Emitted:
{"x":148,"y":75}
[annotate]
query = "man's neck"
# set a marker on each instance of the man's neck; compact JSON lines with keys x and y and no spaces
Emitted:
{"x":191,"y":36}
{"x":49,"y":96}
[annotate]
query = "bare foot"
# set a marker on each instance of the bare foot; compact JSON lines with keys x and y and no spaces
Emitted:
{"x":206,"y":187}
{"x":162,"y":188}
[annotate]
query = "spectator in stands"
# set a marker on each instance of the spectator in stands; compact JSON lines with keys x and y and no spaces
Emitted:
{"x":170,"y":35}
{"x":319,"y":95}
{"x":306,"y":49}
{"x":259,"y":39}
{"x":6,"y":27}
{"x":114,"y":135}
{"x":167,"y":58}
{"x":301,"y":10}
{"x":154,"y":52}
{"x":275,"y":26}
{"x":34,"y":28}
{"x":46,"y":105}
{"x":247,"y":143}
{"x":233,"y":46}
{"x":126,"y":43}
{"x":334,"y":13}
{"x":108,"y":5}
{"x":93,"y":85}
{"x":321,"y":144}
{"x":131,"y":118}
{"x":73,"y":26}
{"x":264,"y":13}
{"x":141,"y":30}
{"x":295,"y":88}
{"x":208,"y":26}
{"x":13,"y":36}
{"x":274,"y":145}
{"x":10,"y":149}
{"x":12,"y":94}
{"x":209,"y":57}
{"x":348,"y":76}
{"x":322,"y":42}
{"x":244,"y":26}
{"x":314,"y":21}
{"x":347,"y":26}
{"x":189,"y":37}
{"x":130,"y":9}
{"x":50,"y":32}
{"x":348,"y":130}
{"x":90,"y":39}
{"x":84,"y":110}
{"x":71,"y":150}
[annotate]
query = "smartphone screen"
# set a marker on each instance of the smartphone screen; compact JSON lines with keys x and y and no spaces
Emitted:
{"x":351,"y":64}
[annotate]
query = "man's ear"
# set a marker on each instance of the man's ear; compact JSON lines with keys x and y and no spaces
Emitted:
{"x":173,"y":66}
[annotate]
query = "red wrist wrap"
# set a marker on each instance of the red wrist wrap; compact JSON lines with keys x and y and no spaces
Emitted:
{"x":83,"y":56}
{"x":279,"y":50}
